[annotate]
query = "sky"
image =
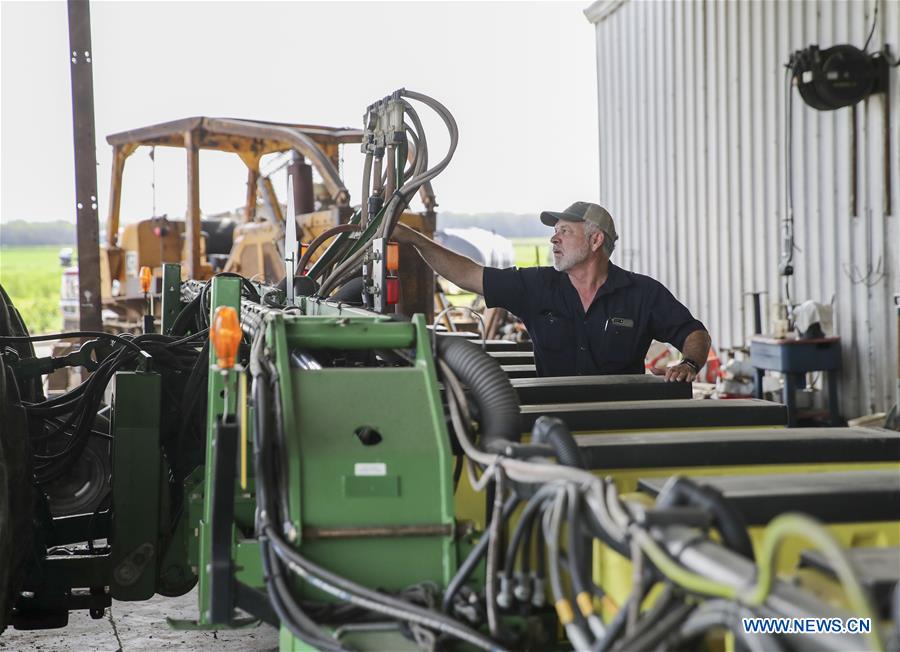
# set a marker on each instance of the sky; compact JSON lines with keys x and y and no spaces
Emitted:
{"x":519,"y":77}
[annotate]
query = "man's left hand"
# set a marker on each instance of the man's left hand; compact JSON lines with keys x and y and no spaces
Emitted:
{"x":678,"y":371}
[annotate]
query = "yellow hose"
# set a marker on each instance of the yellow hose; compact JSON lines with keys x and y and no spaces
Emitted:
{"x":800,"y":525}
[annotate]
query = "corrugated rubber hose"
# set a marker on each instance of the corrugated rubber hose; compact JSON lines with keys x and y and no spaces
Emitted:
{"x":497,"y":401}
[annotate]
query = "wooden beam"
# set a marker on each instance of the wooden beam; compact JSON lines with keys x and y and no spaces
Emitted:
{"x":120,"y":155}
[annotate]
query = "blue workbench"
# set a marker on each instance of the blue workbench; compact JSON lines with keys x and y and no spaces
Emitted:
{"x":795,"y":358}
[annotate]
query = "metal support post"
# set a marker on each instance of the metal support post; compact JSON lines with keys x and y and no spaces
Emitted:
{"x":87,"y":225}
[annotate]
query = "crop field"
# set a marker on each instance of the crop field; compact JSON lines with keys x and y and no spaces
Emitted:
{"x":531,"y":252}
{"x":31,"y":276}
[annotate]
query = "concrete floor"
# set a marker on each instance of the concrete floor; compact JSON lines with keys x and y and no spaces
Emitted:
{"x":139,"y":626}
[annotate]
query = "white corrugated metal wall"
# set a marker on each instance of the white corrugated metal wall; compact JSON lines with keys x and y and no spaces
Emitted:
{"x":692,"y":132}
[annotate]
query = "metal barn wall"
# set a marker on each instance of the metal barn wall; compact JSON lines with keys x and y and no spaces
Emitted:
{"x":691,"y":100}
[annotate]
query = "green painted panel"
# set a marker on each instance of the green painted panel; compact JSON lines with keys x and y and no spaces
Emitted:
{"x":363,"y":487}
{"x":331,"y":406}
{"x":135,"y":485}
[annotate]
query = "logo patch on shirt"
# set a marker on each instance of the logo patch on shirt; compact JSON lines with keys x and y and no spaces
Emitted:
{"x":624,"y":322}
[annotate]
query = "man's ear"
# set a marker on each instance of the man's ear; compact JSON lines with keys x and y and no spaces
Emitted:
{"x":597,"y":242}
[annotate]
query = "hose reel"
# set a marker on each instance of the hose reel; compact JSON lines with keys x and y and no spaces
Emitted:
{"x":839,"y":76}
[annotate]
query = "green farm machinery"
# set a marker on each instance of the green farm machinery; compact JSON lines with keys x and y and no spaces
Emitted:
{"x":362,"y":480}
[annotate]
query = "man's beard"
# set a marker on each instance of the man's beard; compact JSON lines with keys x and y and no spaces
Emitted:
{"x":569,"y":259}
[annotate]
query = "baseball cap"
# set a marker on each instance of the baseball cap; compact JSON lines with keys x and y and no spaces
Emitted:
{"x":582,"y":211}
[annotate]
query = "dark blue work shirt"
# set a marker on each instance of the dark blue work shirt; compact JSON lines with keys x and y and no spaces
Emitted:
{"x":627,"y":313}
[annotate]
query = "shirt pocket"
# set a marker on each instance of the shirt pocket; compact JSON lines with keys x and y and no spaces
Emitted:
{"x":552,"y":330}
{"x":619,"y":338}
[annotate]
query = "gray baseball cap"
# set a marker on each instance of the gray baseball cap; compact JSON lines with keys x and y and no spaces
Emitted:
{"x":582,"y":211}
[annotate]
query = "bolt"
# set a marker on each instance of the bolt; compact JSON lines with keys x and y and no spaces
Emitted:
{"x":503,"y":597}
{"x":538,"y":599}
{"x":523,"y":588}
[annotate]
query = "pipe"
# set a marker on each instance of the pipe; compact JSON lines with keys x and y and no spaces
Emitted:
{"x":301,"y":172}
{"x":498,"y":403}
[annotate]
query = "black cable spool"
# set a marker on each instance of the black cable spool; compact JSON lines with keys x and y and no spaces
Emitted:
{"x":839,"y":76}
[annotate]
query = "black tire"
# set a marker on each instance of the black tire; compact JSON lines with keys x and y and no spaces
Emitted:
{"x":6,"y":546}
{"x":16,"y":484}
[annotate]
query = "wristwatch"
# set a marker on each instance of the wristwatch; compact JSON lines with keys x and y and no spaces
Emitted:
{"x":690,"y":363}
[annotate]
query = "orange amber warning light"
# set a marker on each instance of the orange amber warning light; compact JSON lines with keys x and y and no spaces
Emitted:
{"x":146,"y":276}
{"x":225,"y":334}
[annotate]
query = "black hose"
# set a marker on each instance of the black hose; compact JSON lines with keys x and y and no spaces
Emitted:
{"x":720,"y":614}
{"x":540,"y":562}
{"x":525,"y":557}
{"x":523,"y":529}
{"x":554,"y":431}
{"x":576,"y":548}
{"x":497,"y":401}
{"x":617,"y":625}
{"x":350,"y":292}
{"x":648,"y":637}
{"x":729,"y":522}
{"x":466,"y":568}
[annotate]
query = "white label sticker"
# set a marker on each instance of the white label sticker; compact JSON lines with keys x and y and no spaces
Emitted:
{"x":370,"y":468}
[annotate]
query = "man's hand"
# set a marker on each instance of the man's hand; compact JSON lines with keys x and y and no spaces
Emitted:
{"x":678,"y":371}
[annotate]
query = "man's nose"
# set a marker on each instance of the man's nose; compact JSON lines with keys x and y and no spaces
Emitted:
{"x":554,"y":239}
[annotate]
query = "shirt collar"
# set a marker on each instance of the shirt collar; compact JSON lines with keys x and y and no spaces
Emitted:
{"x":616,"y":278}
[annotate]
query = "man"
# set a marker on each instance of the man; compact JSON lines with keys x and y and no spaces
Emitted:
{"x":585,"y":315}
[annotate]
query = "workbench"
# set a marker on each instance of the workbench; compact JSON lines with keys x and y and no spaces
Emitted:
{"x":795,"y":358}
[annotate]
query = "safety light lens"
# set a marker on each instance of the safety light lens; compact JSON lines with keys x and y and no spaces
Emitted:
{"x":146,"y":277}
{"x":392,"y":257}
{"x":392,"y":290}
{"x":225,"y":334}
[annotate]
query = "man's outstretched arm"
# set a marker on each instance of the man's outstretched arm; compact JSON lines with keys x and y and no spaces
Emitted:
{"x":454,"y":267}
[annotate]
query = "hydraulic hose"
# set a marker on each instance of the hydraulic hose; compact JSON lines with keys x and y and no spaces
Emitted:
{"x":683,"y":492}
{"x":617,"y":624}
{"x":553,"y":431}
{"x":364,"y":195}
{"x":523,"y":528}
{"x":466,"y":568}
{"x":350,"y":292}
{"x":722,"y":614}
{"x":322,"y":237}
{"x":498,"y":403}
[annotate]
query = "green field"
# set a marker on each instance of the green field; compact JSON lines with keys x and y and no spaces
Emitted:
{"x":531,"y":252}
{"x":31,"y":276}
